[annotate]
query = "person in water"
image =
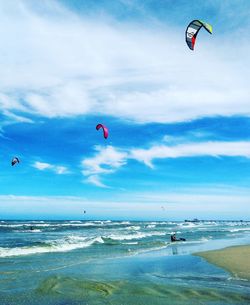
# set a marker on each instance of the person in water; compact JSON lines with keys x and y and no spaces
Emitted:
{"x":173,"y":238}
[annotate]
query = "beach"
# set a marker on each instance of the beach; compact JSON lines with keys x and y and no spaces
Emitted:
{"x":118,"y":263}
{"x":235,"y":259}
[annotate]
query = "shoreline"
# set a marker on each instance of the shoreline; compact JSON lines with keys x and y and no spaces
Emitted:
{"x":234,"y":259}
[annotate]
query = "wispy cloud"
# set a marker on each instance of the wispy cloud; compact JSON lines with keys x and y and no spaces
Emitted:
{"x":17,"y":118}
{"x":46,"y":166}
{"x":213,"y":149}
{"x":42,"y":165}
{"x":95,"y":179}
{"x":148,"y":75}
{"x":108,"y":160}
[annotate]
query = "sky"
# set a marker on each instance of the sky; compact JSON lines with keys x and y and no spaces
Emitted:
{"x":178,"y":120}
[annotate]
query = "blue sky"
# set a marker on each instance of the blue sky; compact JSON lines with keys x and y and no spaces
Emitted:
{"x":179,"y":126}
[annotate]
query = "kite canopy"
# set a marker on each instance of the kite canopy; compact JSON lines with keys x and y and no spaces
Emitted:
{"x":192,"y":31}
{"x":14,"y":161}
{"x":105,"y":130}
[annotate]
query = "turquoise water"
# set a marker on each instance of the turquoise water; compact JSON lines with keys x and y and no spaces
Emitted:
{"x":107,"y":262}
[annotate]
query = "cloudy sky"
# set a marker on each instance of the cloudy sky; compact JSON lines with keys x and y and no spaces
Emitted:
{"x":179,"y":120}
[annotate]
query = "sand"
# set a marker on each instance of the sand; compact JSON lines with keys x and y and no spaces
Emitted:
{"x":235,"y":260}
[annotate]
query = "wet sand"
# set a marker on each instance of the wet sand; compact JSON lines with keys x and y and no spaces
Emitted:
{"x":235,"y":260}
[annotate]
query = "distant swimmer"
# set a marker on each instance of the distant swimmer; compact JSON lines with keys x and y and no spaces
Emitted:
{"x":173,"y":238}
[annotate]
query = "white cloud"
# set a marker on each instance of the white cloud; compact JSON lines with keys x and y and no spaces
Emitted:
{"x":46,"y":166}
{"x":61,"y":170}
{"x":213,"y":149}
{"x":42,"y":165}
{"x":17,"y":118}
{"x":55,"y":63}
{"x":108,"y":160}
{"x":94,"y":179}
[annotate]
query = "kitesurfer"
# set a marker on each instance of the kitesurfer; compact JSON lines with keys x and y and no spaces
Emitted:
{"x":173,"y":238}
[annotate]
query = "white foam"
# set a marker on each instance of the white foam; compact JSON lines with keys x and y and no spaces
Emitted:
{"x":137,"y":235}
{"x":240,"y":229}
{"x":28,"y":231}
{"x":12,"y":226}
{"x":176,"y":232}
{"x":134,"y":228}
{"x":69,"y":224}
{"x":68,"y":244}
{"x":131,"y":243}
{"x":189,"y":225}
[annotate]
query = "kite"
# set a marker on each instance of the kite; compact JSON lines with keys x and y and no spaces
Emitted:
{"x":105,"y":130}
{"x":192,"y":31}
{"x":14,"y":161}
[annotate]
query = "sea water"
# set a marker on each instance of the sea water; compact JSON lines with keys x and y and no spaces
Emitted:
{"x":117,"y":262}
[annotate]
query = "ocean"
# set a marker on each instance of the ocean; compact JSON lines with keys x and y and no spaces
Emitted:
{"x":117,"y":262}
